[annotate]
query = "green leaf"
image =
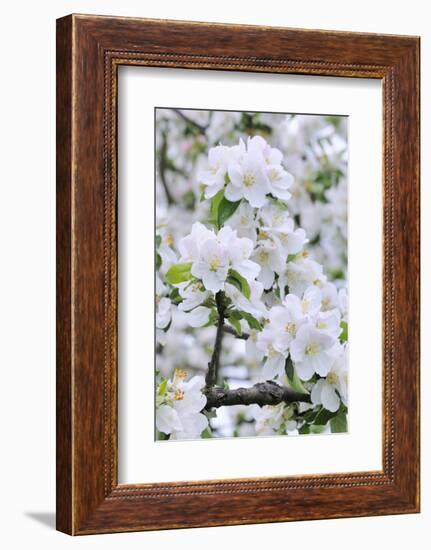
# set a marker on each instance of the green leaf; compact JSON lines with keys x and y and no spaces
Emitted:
{"x":253,"y":323}
{"x":175,"y":296}
{"x":336,"y":274}
{"x":344,"y":336}
{"x":158,"y":262}
{"x":214,"y":207}
{"x":161,"y":392}
{"x":235,"y":323}
{"x":162,"y":387}
{"x":221,"y":209}
{"x":289,"y":368}
{"x":293,"y":379}
{"x":158,"y":241}
{"x":206,"y":434}
{"x":237,"y":280}
{"x":213,"y":317}
{"x":324,"y":416}
{"x":339,"y":423}
{"x":311,"y":414}
{"x":281,"y":204}
{"x":225,"y":210}
{"x":316,"y":429}
{"x":179,"y":273}
{"x":160,"y":436}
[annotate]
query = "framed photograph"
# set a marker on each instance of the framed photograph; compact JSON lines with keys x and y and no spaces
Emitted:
{"x":237,"y":274}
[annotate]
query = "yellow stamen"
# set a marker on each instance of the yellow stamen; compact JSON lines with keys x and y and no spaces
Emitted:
{"x":178,"y":395}
{"x":312,"y":349}
{"x":248,"y":180}
{"x":332,"y":378}
{"x":291,"y":328}
{"x":214,"y":264}
{"x":179,"y":375}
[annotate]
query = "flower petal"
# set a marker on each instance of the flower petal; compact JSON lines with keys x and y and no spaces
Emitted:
{"x":198,"y":317}
{"x":330,"y":399}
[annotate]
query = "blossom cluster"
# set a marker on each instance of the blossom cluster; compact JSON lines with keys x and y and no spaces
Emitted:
{"x":179,"y":404}
{"x":282,"y":290}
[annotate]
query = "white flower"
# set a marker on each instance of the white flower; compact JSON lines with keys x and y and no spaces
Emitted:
{"x":276,"y":218}
{"x":192,"y":426}
{"x":269,"y":419}
{"x":270,"y":259}
{"x":163,"y":305}
{"x":311,"y":301}
{"x":310,"y":352}
{"x":212,"y":266}
{"x":279,"y":180}
{"x":343,"y":303}
{"x":329,"y":322}
{"x":275,"y":360}
{"x":167,"y":254}
{"x":261,"y":149}
{"x":163,"y":312}
{"x":301,"y":274}
{"x":198,"y":317}
{"x":190,"y":245}
{"x":213,"y":178}
{"x":329,"y":296}
{"x":254,"y":305}
{"x":293,"y":242}
{"x":248,"y":180}
{"x":180,"y":415}
{"x":239,"y":251}
{"x":243,"y":220}
{"x":328,"y":391}
{"x":193,"y":294}
{"x":167,"y":419}
{"x":280,"y":227}
{"x":284,"y":322}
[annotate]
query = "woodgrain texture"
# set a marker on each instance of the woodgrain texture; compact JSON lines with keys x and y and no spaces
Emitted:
{"x":89,"y":50}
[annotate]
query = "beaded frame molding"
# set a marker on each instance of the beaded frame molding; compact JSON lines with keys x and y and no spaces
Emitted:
{"x":89,"y":51}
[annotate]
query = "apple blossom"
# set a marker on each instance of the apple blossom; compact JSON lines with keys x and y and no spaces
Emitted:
{"x":330,"y":391}
{"x":271,"y":260}
{"x":179,"y":413}
{"x":252,"y":245}
{"x":213,"y":178}
{"x":310,"y":352}
{"x":193,"y":294}
{"x":248,"y":180}
{"x":212,"y":266}
{"x":244,"y":221}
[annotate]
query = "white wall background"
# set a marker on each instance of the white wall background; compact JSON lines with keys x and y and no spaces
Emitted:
{"x":27,"y":289}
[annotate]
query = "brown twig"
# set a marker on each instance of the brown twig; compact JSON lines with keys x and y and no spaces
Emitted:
{"x":199,"y":127}
{"x":162,"y":168}
{"x":263,"y":393}
{"x":213,"y":365}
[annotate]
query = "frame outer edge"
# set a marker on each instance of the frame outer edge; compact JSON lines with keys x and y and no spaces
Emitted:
{"x":64,"y":300}
{"x":81,"y":506}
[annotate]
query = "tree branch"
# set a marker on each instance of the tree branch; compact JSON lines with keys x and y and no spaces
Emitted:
{"x":199,"y":127}
{"x":162,"y":168}
{"x":263,"y":393}
{"x":213,"y":365}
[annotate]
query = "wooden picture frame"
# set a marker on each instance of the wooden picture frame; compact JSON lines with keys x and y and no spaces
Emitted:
{"x":89,"y":51}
